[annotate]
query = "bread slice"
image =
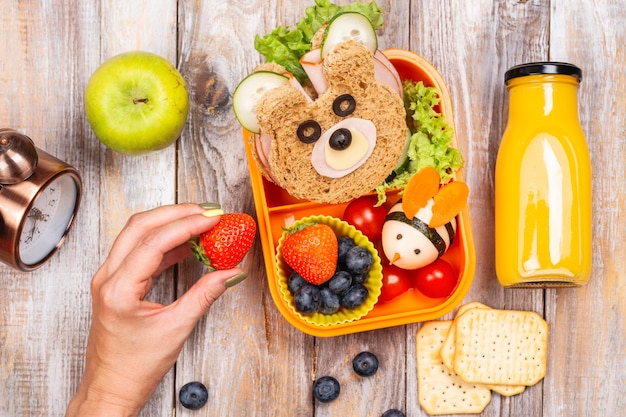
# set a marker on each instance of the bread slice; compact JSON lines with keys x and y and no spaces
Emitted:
{"x":348,"y":69}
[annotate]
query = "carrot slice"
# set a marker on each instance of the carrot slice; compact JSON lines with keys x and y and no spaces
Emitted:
{"x":422,"y":186}
{"x":449,"y":201}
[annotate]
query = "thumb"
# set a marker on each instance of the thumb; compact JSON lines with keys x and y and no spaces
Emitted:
{"x":197,"y":300}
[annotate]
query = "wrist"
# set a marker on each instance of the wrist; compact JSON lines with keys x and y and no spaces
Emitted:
{"x":97,"y":396}
{"x":98,"y":406}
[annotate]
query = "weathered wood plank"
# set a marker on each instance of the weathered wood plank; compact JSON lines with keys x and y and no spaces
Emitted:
{"x":472,"y":47}
{"x":253,"y":362}
{"x":44,"y":314}
{"x":387,"y":388}
{"x":587,"y":335}
{"x":52,"y":51}
{"x":129,"y":184}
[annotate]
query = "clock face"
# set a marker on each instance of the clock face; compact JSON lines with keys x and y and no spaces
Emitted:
{"x":48,"y":220}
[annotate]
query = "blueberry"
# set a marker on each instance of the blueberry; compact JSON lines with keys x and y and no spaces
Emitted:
{"x":344,"y":244}
{"x":295,"y":282}
{"x":307,"y":299}
{"x":354,"y":297}
{"x":330,"y":302}
{"x":359,"y":260}
{"x":393,"y":413}
{"x":326,"y":389}
{"x":360,"y":278}
{"x":340,"y":282}
{"x":365,"y":364}
{"x":193,"y":395}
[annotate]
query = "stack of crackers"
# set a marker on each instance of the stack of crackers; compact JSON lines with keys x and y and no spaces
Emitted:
{"x":460,"y":361}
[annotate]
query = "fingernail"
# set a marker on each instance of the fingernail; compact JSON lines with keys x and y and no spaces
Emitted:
{"x":231,"y":282}
{"x":213,"y":212}
{"x":209,"y":206}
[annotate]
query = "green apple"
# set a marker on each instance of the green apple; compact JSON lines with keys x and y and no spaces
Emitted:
{"x":136,"y":102}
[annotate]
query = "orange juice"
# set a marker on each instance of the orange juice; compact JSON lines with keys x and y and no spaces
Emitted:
{"x":543,"y":181}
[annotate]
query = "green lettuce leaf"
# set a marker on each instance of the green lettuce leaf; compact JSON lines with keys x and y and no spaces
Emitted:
{"x":285,"y":46}
{"x":431,"y":138}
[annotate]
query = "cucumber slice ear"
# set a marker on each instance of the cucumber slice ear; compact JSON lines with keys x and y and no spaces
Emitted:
{"x":403,"y":162}
{"x":349,"y":26}
{"x":248,"y":94}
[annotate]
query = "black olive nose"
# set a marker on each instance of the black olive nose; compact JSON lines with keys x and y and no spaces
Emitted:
{"x":340,"y":139}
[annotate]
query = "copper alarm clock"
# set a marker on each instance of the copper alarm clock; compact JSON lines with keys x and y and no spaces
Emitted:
{"x":39,"y":199}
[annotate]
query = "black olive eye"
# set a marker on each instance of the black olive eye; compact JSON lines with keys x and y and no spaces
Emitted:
{"x":340,"y":139}
{"x":399,"y":236}
{"x":344,"y":105}
{"x":309,"y":131}
{"x":417,"y":251}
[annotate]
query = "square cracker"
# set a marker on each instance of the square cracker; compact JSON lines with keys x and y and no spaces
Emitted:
{"x":448,"y":350}
{"x":505,"y":347}
{"x":440,"y":390}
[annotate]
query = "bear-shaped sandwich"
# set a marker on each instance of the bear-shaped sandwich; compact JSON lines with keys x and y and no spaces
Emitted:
{"x":342,"y":140}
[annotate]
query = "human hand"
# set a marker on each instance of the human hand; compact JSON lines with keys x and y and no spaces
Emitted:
{"x":133,"y":342}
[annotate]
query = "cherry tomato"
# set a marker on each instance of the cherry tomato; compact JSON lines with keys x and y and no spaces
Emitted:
{"x":363,"y":214}
{"x":396,"y":281}
{"x":436,"y":280}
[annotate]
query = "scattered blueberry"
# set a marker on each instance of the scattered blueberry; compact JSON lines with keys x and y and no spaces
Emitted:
{"x":354,"y":297}
{"x":393,"y":413}
{"x":193,"y":395}
{"x":365,"y":364}
{"x":307,"y":299}
{"x":340,"y":282}
{"x":359,"y":260}
{"x":326,"y":389}
{"x":329,"y":301}
{"x":295,"y":282}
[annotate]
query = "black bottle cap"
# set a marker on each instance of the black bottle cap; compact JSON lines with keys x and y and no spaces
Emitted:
{"x":547,"y":67}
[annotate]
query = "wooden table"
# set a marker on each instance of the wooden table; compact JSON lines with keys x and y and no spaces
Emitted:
{"x":253,"y":362}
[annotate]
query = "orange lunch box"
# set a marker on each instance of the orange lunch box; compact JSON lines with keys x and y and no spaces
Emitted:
{"x":276,"y":209}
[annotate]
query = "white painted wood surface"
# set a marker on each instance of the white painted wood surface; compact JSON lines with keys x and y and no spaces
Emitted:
{"x":253,"y":362}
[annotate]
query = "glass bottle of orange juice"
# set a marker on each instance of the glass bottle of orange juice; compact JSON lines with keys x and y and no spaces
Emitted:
{"x":543,"y":181}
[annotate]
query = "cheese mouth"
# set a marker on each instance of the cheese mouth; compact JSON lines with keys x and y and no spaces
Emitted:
{"x":329,"y":161}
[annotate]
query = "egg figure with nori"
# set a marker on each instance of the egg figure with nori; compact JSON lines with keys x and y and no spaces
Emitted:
{"x":421,"y":227}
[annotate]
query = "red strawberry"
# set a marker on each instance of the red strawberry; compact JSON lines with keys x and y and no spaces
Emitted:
{"x":311,"y":251}
{"x":224,"y":246}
